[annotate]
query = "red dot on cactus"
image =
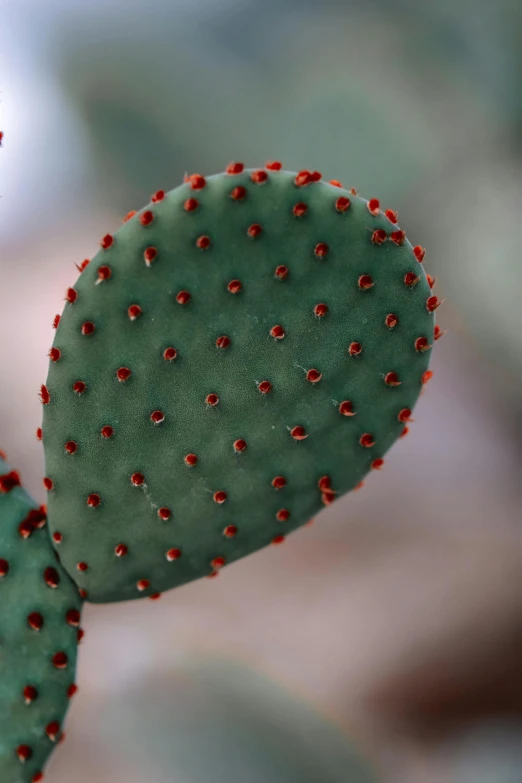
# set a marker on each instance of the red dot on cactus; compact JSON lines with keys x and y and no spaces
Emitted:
{"x":56,"y":321}
{"x":197,"y":182}
{"x":191,"y":204}
{"x":431,"y":280}
{"x":282,"y":515}
{"x":254,"y":230}
{"x":411,"y":279}
{"x":104,"y":272}
{"x":265,"y":387}
{"x":213,"y":574}
{"x":404,"y":415}
{"x":79,"y":387}
{"x":88,"y":327}
{"x":234,"y":286}
{"x":346,"y":408}
{"x":234,"y":168}
{"x":183,"y":297}
{"x":203,"y":242}
{"x":82,"y":593}
{"x":419,"y":253}
{"x":365,"y":282}
{"x":336,"y":183}
{"x":9,"y":481}
{"x":278,"y":482}
{"x":129,"y":215}
{"x":223,"y":341}
{"x":30,"y":694}
{"x":438,"y":333}
{"x":24,"y":753}
{"x":146,"y":217}
{"x":157,"y":417}
{"x":72,"y":690}
{"x":212,"y":399}
{"x":355,"y":349}
{"x":60,"y":660}
{"x":404,"y":432}
{"x":120,"y":550}
{"x":391,"y":320}
{"x":379,"y":236}
{"x":48,"y":483}
{"x":35,"y":621}
{"x":426,"y":376}
{"x":191,"y":460}
{"x":278,"y":539}
{"x":392,"y":379}
{"x":57,"y":537}
{"x":398,"y":237}
{"x":377,"y":464}
{"x":123,"y":374}
{"x":39,"y":434}
{"x":374,"y":206}
{"x":154,"y":596}
{"x":238,"y":194}
{"x":320,"y":310}
{"x":82,"y":566}
{"x":107,"y":241}
{"x":44,"y":395}
{"x":137,"y":479}
{"x":367,"y":440}
{"x":71,"y":295}
{"x":164,"y":513}
{"x":93,"y":500}
{"x":342,"y":204}
{"x":218,"y":562}
{"x":324,"y":483}
{"x":37,"y":777}
{"x":220,"y":496}
{"x":169,"y":354}
{"x":230,"y":531}
{"x":142,"y":584}
{"x":259,"y":176}
{"x":4,"y":567}
{"x":25,"y":528}
{"x":281,"y":272}
{"x":313,"y":376}
{"x":173,"y":554}
{"x":298,"y":433}
{"x":107,"y":431}
{"x":277,"y":332}
{"x":134,"y":312}
{"x":159,"y":195}
{"x":55,"y":354}
{"x":321,"y":249}
{"x":52,"y":730}
{"x":240,"y":445}
{"x":422,"y":344}
{"x":391,"y":215}
{"x":300,"y":209}
{"x":51,"y":577}
{"x":273,"y":165}
{"x":432,"y":303}
{"x":327,"y":498}
{"x":72,"y":617}
{"x":71,"y":446}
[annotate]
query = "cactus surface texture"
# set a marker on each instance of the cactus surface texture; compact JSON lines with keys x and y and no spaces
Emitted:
{"x":241,"y":352}
{"x":39,"y":617}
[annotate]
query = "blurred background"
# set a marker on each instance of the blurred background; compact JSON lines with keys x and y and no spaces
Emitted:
{"x":383,"y":642}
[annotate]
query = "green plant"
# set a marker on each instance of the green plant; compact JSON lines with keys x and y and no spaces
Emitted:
{"x":240,"y":352}
{"x":39,"y":633}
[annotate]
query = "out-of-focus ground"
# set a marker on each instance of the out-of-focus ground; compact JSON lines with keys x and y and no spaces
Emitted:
{"x":397,"y":615}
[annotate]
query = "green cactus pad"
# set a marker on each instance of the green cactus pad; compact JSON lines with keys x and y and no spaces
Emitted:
{"x":39,"y":614}
{"x":240,"y":352}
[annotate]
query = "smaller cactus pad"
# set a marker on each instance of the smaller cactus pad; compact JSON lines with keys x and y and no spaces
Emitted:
{"x":240,"y":352}
{"x":39,"y":617}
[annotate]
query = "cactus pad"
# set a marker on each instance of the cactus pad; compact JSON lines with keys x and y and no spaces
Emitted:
{"x":39,"y":615}
{"x":240,"y":352}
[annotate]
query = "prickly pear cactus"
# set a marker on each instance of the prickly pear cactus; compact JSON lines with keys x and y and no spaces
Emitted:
{"x":39,"y":618}
{"x":241,"y":351}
